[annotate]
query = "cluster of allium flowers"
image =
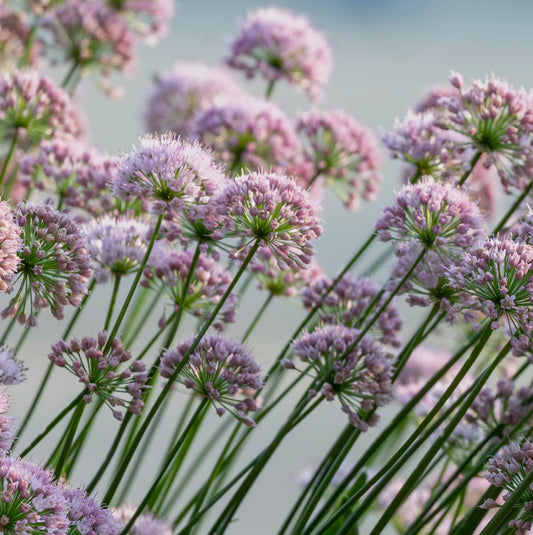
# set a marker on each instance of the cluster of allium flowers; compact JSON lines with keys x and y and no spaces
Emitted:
{"x":30,"y":502}
{"x":507,"y":469}
{"x":431,"y":100}
{"x":54,"y":264}
{"x":273,"y":210}
{"x":347,"y":302}
{"x":423,"y":363}
{"x":248,"y":133}
{"x":146,"y":524}
{"x":77,"y":174}
{"x":32,"y":108}
{"x":10,"y":243}
{"x":277,"y":44}
{"x":343,"y":153}
{"x":219,"y":369}
{"x":279,"y":282}
{"x":495,"y":278}
{"x":6,"y":426}
{"x":187,"y":89}
{"x":12,"y":371}
{"x":168,"y":269}
{"x":493,"y":118}
{"x":168,"y":172}
{"x":360,"y":378}
{"x":14,"y":37}
{"x":102,"y":371}
{"x":116,"y":244}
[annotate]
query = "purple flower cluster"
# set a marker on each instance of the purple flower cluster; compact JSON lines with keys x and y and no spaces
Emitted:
{"x":6,"y":426}
{"x":15,"y":31}
{"x":146,"y":524}
{"x":100,"y":371}
{"x":10,"y":243}
{"x":12,"y":371}
{"x":276,"y":44}
{"x":219,"y":369}
{"x":359,"y":378}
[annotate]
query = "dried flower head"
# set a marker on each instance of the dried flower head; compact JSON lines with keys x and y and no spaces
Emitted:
{"x":103,"y":373}
{"x":12,"y":371}
{"x":146,"y":524}
{"x":220,"y":369}
{"x":277,"y":44}
{"x":10,"y":243}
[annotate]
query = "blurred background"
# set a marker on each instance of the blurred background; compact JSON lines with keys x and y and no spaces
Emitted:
{"x":387,"y":55}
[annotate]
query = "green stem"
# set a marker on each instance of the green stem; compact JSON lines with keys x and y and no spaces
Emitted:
{"x":68,"y":77}
{"x":132,"y":328}
{"x":12,"y":148}
{"x":257,"y":317}
{"x":270,"y":89}
{"x":473,"y":163}
{"x":513,"y":207}
{"x":111,"y":308}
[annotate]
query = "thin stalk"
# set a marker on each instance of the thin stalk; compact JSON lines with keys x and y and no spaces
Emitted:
{"x":68,"y":77}
{"x":9,"y":155}
{"x":473,"y":163}
{"x":512,"y":208}
{"x":257,"y":317}
{"x":131,"y":323}
{"x":111,"y":308}
{"x":270,"y":89}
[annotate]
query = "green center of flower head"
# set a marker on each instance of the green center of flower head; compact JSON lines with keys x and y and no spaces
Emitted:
{"x":14,"y":508}
{"x":491,"y":131}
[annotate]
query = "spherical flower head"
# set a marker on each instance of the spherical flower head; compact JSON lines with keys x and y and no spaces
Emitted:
{"x":248,"y":133}
{"x":167,"y":271}
{"x":273,"y":210}
{"x":32,"y":108}
{"x":219,"y":369}
{"x":116,"y":244}
{"x":77,"y":174}
{"x":7,"y":435}
{"x":168,"y":172}
{"x":359,"y":378}
{"x":276,"y":44}
{"x":343,"y":153}
{"x":347,"y":302}
{"x":103,"y":372}
{"x":30,"y":501}
{"x":146,"y":524}
{"x":10,"y":243}
{"x":185,"y":90}
{"x":493,"y":118}
{"x":12,"y":371}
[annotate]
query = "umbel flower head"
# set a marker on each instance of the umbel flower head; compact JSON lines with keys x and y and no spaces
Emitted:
{"x":360,"y":379}
{"x":103,"y":372}
{"x":277,"y":44}
{"x":273,"y":210}
{"x":10,"y":243}
{"x":146,"y":524}
{"x":12,"y":371}
{"x":54,"y":264}
{"x":220,"y":369}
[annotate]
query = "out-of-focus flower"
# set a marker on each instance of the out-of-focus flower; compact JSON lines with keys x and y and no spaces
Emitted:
{"x":423,"y":363}
{"x":12,"y":371}
{"x":10,"y":243}
{"x":146,"y":524}
{"x":16,"y":43}
{"x":7,"y":434}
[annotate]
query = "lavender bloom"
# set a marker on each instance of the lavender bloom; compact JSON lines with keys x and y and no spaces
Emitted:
{"x":360,"y":379}
{"x":101,"y":373}
{"x":347,"y":302}
{"x":423,"y":363}
{"x":248,"y":133}
{"x":6,"y":426}
{"x":10,"y":243}
{"x":15,"y":31}
{"x":116,"y":244}
{"x":184,"y":91}
{"x":219,"y":369}
{"x":54,"y":263}
{"x":273,"y":210}
{"x":32,"y":108}
{"x":146,"y":524}
{"x":276,"y":44}
{"x":168,"y":172}
{"x":343,"y":153}
{"x":431,"y":101}
{"x":12,"y":371}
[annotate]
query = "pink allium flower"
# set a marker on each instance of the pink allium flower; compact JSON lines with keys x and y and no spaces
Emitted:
{"x":343,"y":153}
{"x":347,"y":302}
{"x":168,"y":172}
{"x":361,"y":379}
{"x":146,"y":524}
{"x":12,"y":371}
{"x":7,"y":434}
{"x":10,"y":243}
{"x":32,"y":108}
{"x":219,"y":369}
{"x":431,"y":100}
{"x":276,"y":44}
{"x":423,"y":363}
{"x":248,"y":133}
{"x":103,"y":374}
{"x":273,"y":210}
{"x":187,"y":89}
{"x":15,"y":32}
{"x":54,"y":265}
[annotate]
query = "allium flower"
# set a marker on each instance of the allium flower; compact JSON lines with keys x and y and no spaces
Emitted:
{"x":360,"y":379}
{"x":432,"y":99}
{"x":276,"y":44}
{"x":347,"y":302}
{"x":494,"y":118}
{"x":187,"y":89}
{"x":116,"y":244}
{"x":248,"y":133}
{"x":15,"y":32}
{"x":219,"y":369}
{"x":343,"y":153}
{"x":77,"y":174}
{"x":54,"y":263}
{"x":273,"y":210}
{"x":167,"y":270}
{"x":30,"y":502}
{"x":10,"y":243}
{"x":146,"y":524}
{"x":32,"y":108}
{"x":168,"y":172}
{"x":423,"y":363}
{"x":6,"y":426}
{"x":12,"y":371}
{"x":103,"y":374}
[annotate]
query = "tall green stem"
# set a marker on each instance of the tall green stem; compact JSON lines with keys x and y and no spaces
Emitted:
{"x":111,"y":307}
{"x":257,"y":317}
{"x":9,"y":155}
